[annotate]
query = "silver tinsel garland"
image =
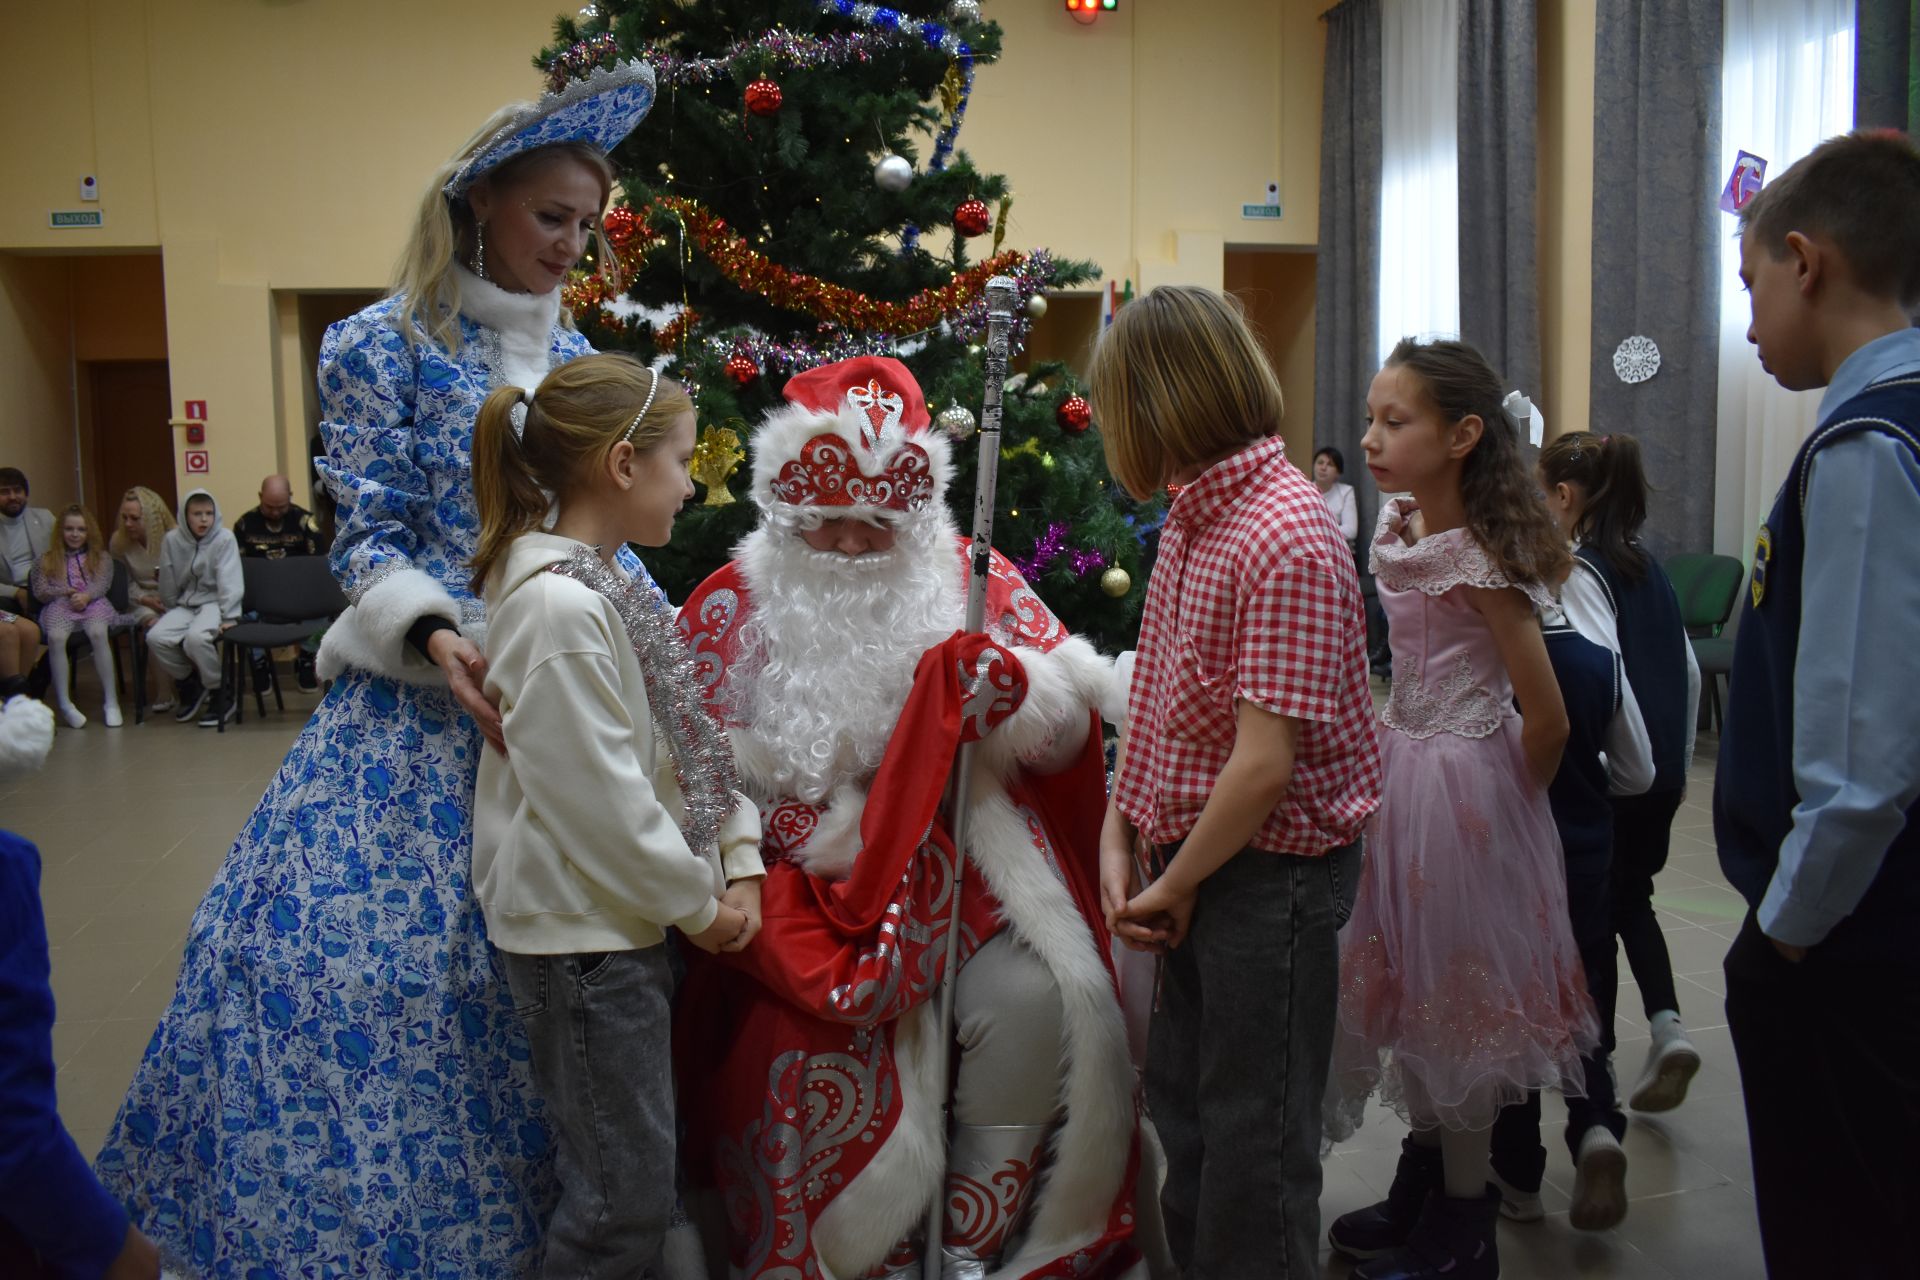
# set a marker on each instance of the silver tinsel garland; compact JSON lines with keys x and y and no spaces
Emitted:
{"x":702,"y":757}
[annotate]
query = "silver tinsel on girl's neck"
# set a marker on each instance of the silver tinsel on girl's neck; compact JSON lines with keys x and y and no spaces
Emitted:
{"x":702,"y":758}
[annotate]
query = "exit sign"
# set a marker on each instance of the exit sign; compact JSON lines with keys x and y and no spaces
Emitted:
{"x":1259,"y":210}
{"x":76,"y":218}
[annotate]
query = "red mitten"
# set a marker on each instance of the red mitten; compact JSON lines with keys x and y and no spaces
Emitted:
{"x":993,"y":684}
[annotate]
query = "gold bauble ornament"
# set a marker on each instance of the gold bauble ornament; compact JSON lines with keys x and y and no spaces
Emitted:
{"x":1116,"y":582}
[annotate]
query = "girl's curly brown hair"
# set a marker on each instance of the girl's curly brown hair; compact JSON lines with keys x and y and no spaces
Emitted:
{"x":1504,"y":512}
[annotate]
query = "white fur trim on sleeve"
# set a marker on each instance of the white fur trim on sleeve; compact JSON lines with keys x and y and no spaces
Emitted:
{"x":1114,"y":709}
{"x":26,"y":735}
{"x":372,"y":634}
{"x":834,"y":846}
{"x":1063,"y":685}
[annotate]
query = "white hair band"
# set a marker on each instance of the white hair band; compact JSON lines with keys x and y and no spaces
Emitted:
{"x":644,"y":406}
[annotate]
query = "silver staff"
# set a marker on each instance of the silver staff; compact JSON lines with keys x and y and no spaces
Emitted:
{"x":1000,"y":298}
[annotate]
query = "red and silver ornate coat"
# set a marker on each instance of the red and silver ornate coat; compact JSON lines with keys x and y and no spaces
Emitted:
{"x":805,"y":1061}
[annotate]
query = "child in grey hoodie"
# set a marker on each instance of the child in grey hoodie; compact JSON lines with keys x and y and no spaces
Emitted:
{"x":201,"y":585}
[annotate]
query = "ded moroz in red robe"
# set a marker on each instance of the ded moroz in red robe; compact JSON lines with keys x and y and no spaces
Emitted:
{"x":805,"y":1060}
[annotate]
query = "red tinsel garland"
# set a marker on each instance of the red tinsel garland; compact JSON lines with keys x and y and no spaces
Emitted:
{"x":793,"y":290}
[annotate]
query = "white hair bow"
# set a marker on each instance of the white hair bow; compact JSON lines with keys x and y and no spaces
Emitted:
{"x":1525,"y":416}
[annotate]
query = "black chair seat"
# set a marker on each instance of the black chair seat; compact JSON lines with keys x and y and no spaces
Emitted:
{"x":294,"y":599}
{"x":272,"y":635}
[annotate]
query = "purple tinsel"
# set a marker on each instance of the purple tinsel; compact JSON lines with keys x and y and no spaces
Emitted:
{"x":1045,"y":551}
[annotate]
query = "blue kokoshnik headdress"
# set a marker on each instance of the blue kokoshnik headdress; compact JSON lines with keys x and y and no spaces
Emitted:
{"x":600,"y":108}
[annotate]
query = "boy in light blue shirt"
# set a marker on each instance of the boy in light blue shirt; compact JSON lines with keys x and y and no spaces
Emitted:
{"x":1819,"y":771}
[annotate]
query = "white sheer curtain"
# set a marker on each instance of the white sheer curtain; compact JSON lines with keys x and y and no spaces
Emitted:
{"x":1419,"y":170}
{"x":1786,"y":84}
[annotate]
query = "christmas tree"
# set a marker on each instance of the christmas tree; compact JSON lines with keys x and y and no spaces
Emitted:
{"x":773,"y":215}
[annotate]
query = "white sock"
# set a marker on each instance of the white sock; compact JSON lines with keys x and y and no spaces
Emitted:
{"x":62,"y":673}
{"x":103,"y":667}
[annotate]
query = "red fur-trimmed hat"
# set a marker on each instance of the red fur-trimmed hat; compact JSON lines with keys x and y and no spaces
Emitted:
{"x":854,"y":439}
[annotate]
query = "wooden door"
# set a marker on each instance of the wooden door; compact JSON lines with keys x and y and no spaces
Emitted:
{"x":129,"y":406}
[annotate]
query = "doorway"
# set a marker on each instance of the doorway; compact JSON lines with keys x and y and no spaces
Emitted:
{"x":130,"y":436}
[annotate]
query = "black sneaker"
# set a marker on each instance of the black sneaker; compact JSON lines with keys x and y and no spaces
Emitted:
{"x":191,"y":697}
{"x":220,"y":708}
{"x":304,"y":672}
{"x":262,"y":671}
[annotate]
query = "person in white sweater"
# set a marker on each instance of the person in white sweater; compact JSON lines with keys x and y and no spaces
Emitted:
{"x":614,"y":812}
{"x":202,"y":586}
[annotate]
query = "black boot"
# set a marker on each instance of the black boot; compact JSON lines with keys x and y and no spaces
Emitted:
{"x":1453,"y":1240}
{"x":12,"y":685}
{"x":1381,"y":1228}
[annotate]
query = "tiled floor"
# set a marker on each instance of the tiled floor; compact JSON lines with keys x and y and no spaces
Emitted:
{"x":132,"y":822}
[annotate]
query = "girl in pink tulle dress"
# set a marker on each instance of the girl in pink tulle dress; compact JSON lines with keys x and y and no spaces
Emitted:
{"x":1461,"y":987}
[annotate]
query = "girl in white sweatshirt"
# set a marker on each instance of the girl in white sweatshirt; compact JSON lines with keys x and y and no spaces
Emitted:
{"x":615,"y":811}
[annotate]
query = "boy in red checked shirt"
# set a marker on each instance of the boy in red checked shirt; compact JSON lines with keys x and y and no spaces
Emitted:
{"x":1249,"y":766}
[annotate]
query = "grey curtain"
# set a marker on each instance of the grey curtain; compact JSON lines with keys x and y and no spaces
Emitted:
{"x":1347,"y":282}
{"x":1886,"y":68}
{"x":1657,"y":232}
{"x":1499,"y":181}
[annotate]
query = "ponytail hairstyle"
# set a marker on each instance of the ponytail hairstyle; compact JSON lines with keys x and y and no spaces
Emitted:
{"x":1504,"y":511}
{"x":581,"y":411}
{"x":1613,"y":494}
{"x":54,"y":562}
{"x":444,"y":231}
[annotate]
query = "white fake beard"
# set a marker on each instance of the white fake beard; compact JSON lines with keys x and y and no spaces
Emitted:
{"x":828,"y":652}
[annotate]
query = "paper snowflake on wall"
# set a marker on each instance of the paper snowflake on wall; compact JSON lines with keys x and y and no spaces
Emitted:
{"x":1636,"y":359}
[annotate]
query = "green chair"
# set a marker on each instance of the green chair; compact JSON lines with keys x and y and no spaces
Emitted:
{"x":1708,"y":586}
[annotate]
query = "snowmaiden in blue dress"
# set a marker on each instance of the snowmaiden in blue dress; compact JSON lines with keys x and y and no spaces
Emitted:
{"x":340,"y":1087}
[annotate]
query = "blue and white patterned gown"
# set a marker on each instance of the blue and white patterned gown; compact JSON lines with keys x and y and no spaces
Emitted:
{"x":340,"y":1087}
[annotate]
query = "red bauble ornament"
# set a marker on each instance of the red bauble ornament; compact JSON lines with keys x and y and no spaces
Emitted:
{"x":741,"y":368}
{"x":619,"y":225}
{"x":1074,"y":414}
{"x":764,"y":97}
{"x":971,"y":218}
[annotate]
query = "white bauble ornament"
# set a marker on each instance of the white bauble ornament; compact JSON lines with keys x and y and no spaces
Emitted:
{"x":892,"y":173}
{"x":956,"y":421}
{"x":1037,"y":305}
{"x":961,"y":11}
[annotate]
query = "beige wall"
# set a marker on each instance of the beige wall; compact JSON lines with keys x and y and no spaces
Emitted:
{"x":1567,"y":30}
{"x":273,"y":149}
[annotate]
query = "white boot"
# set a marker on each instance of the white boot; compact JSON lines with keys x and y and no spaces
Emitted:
{"x":1671,"y":1064}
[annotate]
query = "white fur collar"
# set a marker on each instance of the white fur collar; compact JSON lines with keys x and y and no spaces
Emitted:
{"x":524,"y":321}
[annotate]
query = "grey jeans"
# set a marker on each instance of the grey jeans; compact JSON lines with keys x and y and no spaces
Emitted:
{"x":598,"y":1026}
{"x":1237,"y":1057}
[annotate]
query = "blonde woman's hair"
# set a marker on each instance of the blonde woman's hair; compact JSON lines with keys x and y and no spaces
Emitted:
{"x":444,"y":230}
{"x":54,"y":562}
{"x":580,"y":412}
{"x":153,"y":509}
{"x":1179,"y":379}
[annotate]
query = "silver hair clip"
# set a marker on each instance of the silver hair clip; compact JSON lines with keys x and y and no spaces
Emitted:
{"x":644,"y":406}
{"x":517,"y":415}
